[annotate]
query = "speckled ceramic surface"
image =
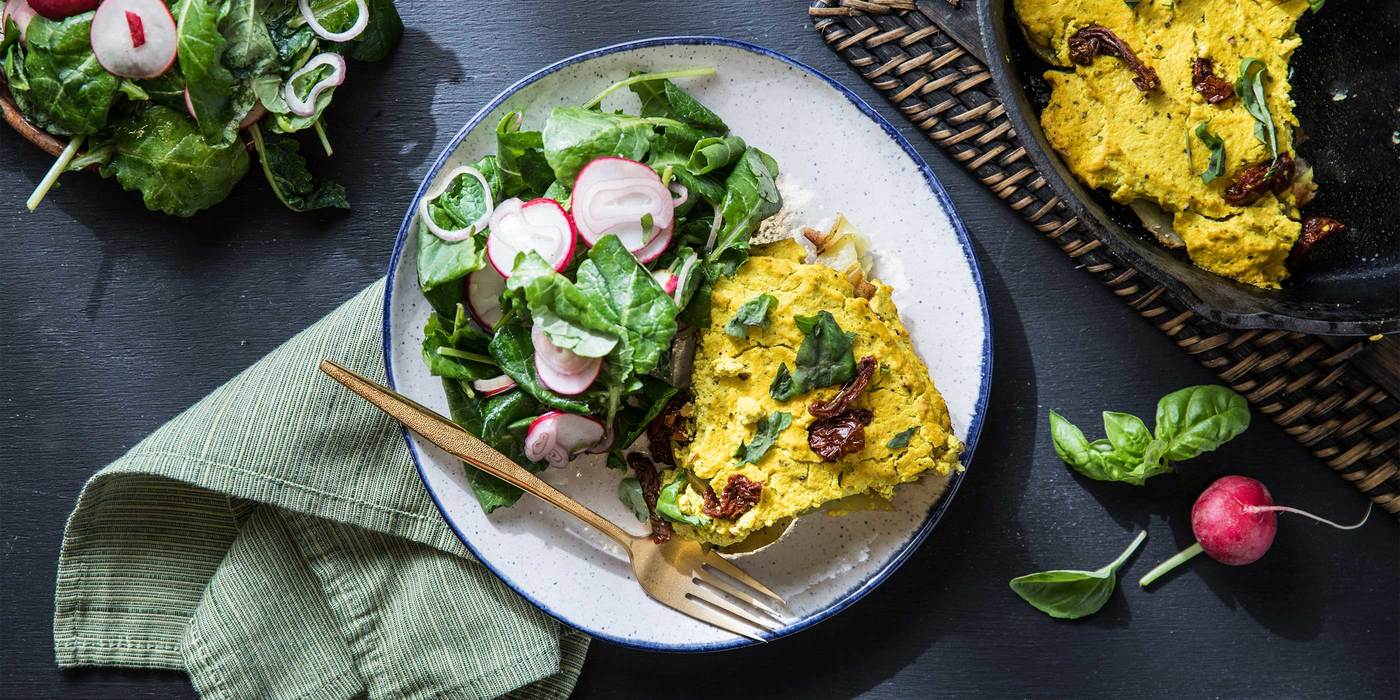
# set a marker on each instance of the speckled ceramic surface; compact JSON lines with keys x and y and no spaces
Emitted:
{"x":836,"y":155}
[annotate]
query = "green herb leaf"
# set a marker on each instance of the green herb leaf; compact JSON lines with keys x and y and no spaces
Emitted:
{"x":520,"y":158}
{"x":216,"y":97}
{"x":765,"y":433}
{"x":753,"y":314}
{"x":1249,"y":87}
{"x":783,"y":388}
{"x":1199,"y":419}
{"x":1068,"y":594}
{"x":1216,"y":168}
{"x":513,"y":351}
{"x":661,"y":98}
{"x":648,"y":228}
{"x":574,"y":135}
{"x":714,"y":153}
{"x":824,"y":358}
{"x":667,"y":505}
{"x":293,"y":184}
{"x":1100,"y":460}
{"x":55,"y":79}
{"x":159,"y":152}
{"x":452,"y":348}
{"x":902,"y":438}
{"x":751,"y":195}
{"x":1316,"y":5}
{"x":629,"y":491}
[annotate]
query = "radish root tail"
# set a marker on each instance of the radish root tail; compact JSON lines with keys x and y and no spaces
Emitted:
{"x":1325,"y":521}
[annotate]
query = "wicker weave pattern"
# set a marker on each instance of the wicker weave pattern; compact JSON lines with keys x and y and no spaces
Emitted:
{"x":1305,"y":384}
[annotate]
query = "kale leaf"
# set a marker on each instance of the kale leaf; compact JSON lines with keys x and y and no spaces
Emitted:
{"x":159,"y":152}
{"x":574,"y":135}
{"x":293,"y":184}
{"x":55,"y":79}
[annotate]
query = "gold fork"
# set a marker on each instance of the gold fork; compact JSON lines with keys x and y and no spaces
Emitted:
{"x":680,"y":574}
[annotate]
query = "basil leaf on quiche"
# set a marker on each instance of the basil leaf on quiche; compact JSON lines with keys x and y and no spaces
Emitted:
{"x":902,"y":438}
{"x":765,"y":434}
{"x":783,"y":388}
{"x":753,"y":314}
{"x":668,"y":507}
{"x":1216,"y":168}
{"x":824,"y":358}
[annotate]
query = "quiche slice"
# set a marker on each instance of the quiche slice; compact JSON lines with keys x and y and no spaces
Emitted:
{"x":724,"y":452}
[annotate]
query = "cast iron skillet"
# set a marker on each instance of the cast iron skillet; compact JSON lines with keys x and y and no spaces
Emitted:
{"x":1350,"y":285}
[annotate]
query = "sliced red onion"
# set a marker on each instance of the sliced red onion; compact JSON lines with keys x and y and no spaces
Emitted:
{"x":361,"y":21}
{"x":307,"y":107}
{"x":21,"y":12}
{"x":494,"y":385}
{"x":612,"y":195}
{"x":714,"y":229}
{"x":682,"y":194}
{"x":435,"y":192}
{"x":683,"y":277}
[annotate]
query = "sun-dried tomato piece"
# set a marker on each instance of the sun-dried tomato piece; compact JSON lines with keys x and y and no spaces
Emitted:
{"x":1212,"y":87}
{"x":1268,"y":176}
{"x":664,"y":428}
{"x":1093,"y":41}
{"x":865,"y":369}
{"x":650,"y":481}
{"x":741,"y":494}
{"x":1315,"y":230}
{"x":837,"y":436}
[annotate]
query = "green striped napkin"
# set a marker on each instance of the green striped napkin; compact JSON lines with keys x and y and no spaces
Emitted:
{"x":274,"y":541}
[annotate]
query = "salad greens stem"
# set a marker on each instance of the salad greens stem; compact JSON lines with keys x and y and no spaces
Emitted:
{"x":1132,"y":547}
{"x":647,"y":77}
{"x":470,"y":356}
{"x":55,"y":170}
{"x":321,"y":134}
{"x":1170,"y":564}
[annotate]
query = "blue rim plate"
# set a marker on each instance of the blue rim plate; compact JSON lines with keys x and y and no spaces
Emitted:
{"x":936,"y":512}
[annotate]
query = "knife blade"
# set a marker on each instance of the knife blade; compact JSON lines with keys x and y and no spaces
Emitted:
{"x":957,"y":21}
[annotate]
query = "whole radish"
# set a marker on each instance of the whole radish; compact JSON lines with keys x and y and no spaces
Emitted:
{"x":1234,"y":521}
{"x":58,"y":9}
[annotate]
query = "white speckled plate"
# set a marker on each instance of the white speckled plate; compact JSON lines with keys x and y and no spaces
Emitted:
{"x":835,"y":154}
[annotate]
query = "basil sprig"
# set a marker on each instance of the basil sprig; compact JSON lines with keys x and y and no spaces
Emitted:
{"x":753,"y":314}
{"x":1189,"y":421}
{"x":1068,"y":594}
{"x":668,"y":505}
{"x":1249,"y":87}
{"x":764,"y":435}
{"x":1216,"y":167}
{"x":902,"y":438}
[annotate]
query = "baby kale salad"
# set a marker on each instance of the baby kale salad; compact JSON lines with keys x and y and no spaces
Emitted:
{"x":162,"y":97}
{"x":561,"y":269}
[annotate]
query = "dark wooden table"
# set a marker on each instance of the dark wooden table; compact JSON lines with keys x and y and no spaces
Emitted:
{"x":115,"y":319}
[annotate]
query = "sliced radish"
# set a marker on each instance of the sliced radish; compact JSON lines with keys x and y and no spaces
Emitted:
{"x":450,"y":235}
{"x":484,"y":289}
{"x":540,"y":225}
{"x":614,"y":195}
{"x":556,"y":437}
{"x":21,"y":12}
{"x":604,"y":443}
{"x":561,"y":370}
{"x":667,"y":279}
{"x":495,"y":385}
{"x":134,"y":38}
{"x":59,"y":9}
{"x":361,"y":21}
{"x":656,"y":246}
{"x":305,"y":107}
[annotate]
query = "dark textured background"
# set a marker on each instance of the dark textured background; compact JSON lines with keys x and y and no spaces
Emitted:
{"x":115,"y":319}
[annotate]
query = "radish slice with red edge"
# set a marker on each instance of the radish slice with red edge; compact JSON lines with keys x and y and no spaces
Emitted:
{"x":667,"y":280}
{"x":305,"y":107}
{"x":539,"y":225}
{"x":561,"y":370}
{"x":21,"y":13}
{"x":556,"y":437}
{"x":484,"y":289}
{"x":62,"y":9}
{"x":655,"y":247}
{"x":361,"y":21}
{"x":134,"y":38}
{"x":613,"y":195}
{"x":495,"y":385}
{"x":453,"y":235}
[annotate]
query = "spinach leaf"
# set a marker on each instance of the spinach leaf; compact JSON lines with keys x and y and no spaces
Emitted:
{"x":573,"y":318}
{"x":9,"y":34}
{"x":783,"y":388}
{"x":626,"y":294}
{"x":714,"y":153}
{"x":574,"y":135}
{"x":487,"y":419}
{"x":293,"y":184}
{"x":159,"y":152}
{"x":249,"y":50}
{"x":668,"y":507}
{"x":1316,"y":5}
{"x":824,"y":358}
{"x":751,"y":195}
{"x":167,"y":90}
{"x":753,"y":314}
{"x":1249,"y":87}
{"x":283,"y":120}
{"x":629,"y":491}
{"x":672,"y":149}
{"x":513,"y":351}
{"x":765,"y":433}
{"x":56,"y":81}
{"x":661,"y":98}
{"x":216,"y":98}
{"x":1199,"y":419}
{"x":452,"y":348}
{"x":1068,"y":594}
{"x":520,"y":157}
{"x":1216,"y":168}
{"x":444,"y":264}
{"x":901,"y":439}
{"x":633,"y":421}
{"x":380,"y":37}
{"x":291,"y":36}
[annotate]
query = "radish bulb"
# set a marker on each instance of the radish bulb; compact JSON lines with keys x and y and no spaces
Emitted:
{"x":60,"y":9}
{"x":540,"y":225}
{"x":556,"y":437}
{"x":1234,"y":521}
{"x":21,"y":12}
{"x":134,"y":38}
{"x":484,"y":289}
{"x":615,"y":196}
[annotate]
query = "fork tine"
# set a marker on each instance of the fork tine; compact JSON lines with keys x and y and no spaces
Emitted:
{"x":709,"y":616}
{"x":716,"y":582}
{"x":718,"y":601}
{"x":714,"y":560}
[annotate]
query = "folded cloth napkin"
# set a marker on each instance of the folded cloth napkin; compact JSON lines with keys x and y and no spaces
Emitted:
{"x":274,"y":541}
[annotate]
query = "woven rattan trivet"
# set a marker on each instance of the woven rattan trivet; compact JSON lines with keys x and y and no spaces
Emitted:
{"x":1323,"y":391}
